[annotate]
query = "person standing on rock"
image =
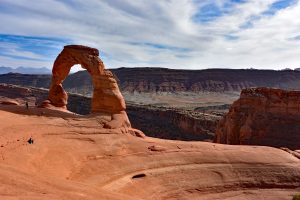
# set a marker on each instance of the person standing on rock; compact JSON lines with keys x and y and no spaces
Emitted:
{"x":27,"y":106}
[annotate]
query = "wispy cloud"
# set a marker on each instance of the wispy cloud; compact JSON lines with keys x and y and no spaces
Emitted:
{"x":30,"y":48}
{"x":279,"y":5}
{"x":169,"y":33}
{"x":161,"y":46}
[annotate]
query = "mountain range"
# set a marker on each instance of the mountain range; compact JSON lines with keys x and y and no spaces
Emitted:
{"x":25,"y":70}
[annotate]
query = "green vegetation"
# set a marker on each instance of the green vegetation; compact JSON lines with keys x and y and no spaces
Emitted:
{"x":296,"y":197}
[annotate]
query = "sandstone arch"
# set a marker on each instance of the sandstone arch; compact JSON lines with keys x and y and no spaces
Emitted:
{"x":106,"y":95}
{"x":107,"y":101}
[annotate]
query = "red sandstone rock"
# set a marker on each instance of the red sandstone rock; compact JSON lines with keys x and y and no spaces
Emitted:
{"x":107,"y":97}
{"x":74,"y":158}
{"x":294,"y":153}
{"x":262,"y":116}
{"x":57,"y":96}
{"x":9,"y":102}
{"x":157,"y":148}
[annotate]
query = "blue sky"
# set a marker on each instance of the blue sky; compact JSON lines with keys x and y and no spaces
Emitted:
{"x":182,"y":34}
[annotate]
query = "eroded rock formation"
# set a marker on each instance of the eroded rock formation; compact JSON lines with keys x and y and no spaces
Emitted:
{"x":263,"y":116}
{"x":106,"y":94}
{"x":107,"y":97}
{"x":160,"y":80}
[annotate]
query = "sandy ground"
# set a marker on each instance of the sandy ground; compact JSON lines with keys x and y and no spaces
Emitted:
{"x":73,"y":157}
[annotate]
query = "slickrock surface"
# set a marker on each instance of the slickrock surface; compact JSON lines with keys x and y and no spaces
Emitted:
{"x":263,"y":116}
{"x":74,"y":157}
{"x":5,"y":101}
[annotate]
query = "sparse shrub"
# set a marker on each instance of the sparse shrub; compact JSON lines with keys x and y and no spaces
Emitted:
{"x":296,"y":197}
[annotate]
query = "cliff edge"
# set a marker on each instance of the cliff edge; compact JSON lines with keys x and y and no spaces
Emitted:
{"x":262,"y":116}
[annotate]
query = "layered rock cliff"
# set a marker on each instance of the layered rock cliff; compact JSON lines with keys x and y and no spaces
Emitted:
{"x":263,"y":116}
{"x":27,"y":80}
{"x":152,"y":80}
{"x":209,"y":80}
{"x":171,"y":123}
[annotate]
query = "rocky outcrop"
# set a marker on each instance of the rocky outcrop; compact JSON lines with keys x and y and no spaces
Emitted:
{"x":8,"y":102}
{"x":262,"y":116}
{"x":107,"y":97}
{"x":106,"y":94}
{"x":36,"y":96}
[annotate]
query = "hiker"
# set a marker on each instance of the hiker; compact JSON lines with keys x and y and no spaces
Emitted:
{"x":27,"y":106}
{"x":30,"y":141}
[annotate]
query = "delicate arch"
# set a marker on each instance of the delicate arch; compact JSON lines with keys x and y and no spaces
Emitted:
{"x":106,"y":94}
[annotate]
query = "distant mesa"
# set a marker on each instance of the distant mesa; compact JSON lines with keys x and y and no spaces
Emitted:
{"x":262,"y":116}
{"x":162,"y":80}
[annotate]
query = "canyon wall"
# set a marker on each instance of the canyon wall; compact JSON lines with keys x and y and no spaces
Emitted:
{"x":152,"y":80}
{"x":262,"y":116}
{"x":170,"y":123}
{"x":141,"y":80}
{"x":26,"y":80}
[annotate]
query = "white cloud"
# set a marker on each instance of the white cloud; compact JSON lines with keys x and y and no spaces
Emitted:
{"x":113,"y":26}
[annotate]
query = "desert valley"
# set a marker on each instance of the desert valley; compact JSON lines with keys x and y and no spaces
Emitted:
{"x":150,"y":100}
